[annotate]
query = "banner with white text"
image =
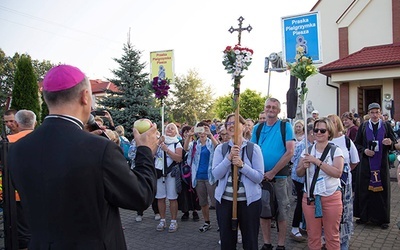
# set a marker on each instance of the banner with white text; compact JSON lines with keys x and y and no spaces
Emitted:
{"x":301,"y":31}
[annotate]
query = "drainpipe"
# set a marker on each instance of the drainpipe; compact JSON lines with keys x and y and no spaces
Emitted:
{"x":337,"y":94}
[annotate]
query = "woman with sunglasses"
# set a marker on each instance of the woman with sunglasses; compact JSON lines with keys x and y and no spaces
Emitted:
{"x":327,"y":194}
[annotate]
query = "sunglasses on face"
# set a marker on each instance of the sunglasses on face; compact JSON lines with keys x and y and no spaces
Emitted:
{"x":229,"y":123}
{"x":322,"y":130}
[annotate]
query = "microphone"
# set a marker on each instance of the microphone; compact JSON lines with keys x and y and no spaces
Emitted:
{"x":92,"y":126}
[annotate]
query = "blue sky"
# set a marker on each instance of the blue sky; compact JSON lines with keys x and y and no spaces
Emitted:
{"x":88,"y":34}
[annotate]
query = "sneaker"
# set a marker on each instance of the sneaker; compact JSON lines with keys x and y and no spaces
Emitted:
{"x":161,"y":226}
{"x":196,"y":216}
{"x":173,"y":227}
{"x":239,"y":237}
{"x":185,"y":217}
{"x":157,"y":217}
{"x":205,"y":228}
{"x":139,"y":218}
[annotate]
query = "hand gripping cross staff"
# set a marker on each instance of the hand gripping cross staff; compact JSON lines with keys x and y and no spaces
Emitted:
{"x":235,"y":65}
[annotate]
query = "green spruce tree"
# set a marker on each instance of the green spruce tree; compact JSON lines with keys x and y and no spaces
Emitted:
{"x":134,"y":99}
{"x":25,"y":93}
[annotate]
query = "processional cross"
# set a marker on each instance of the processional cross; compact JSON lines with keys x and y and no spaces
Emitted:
{"x":240,"y":29}
{"x":238,"y":135}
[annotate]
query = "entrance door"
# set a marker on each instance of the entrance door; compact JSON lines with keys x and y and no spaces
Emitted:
{"x":367,"y":95}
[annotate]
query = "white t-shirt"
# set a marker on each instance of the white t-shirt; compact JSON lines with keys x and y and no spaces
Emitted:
{"x":326,"y":185}
{"x":348,"y":158}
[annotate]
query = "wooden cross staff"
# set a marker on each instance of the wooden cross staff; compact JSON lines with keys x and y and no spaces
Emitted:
{"x":236,"y":99}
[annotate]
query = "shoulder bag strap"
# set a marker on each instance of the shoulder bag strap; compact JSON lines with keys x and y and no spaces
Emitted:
{"x":314,"y":180}
{"x":258,"y":131}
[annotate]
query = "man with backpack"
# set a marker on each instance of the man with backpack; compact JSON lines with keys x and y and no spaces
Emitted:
{"x":277,"y":145}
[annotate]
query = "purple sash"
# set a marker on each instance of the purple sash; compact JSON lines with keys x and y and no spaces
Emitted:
{"x":375,"y":183}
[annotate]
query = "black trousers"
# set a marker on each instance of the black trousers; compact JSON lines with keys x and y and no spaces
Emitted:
{"x":24,"y":236}
{"x":249,"y":224}
{"x":298,"y":211}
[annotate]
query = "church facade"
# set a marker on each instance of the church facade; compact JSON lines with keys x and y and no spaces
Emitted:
{"x":360,"y":44}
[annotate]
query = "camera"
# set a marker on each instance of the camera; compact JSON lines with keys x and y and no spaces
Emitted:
{"x":199,"y":130}
{"x":98,"y":112}
{"x":309,"y":200}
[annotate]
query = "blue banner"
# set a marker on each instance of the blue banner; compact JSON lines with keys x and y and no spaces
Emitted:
{"x":301,"y":30}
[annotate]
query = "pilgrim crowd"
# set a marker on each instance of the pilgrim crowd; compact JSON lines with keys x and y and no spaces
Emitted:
{"x":70,"y":174}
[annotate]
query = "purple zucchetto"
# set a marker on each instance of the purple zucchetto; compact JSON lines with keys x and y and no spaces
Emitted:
{"x":62,"y":77}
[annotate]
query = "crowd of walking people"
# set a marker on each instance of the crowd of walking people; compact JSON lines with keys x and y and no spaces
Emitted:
{"x":336,"y":167}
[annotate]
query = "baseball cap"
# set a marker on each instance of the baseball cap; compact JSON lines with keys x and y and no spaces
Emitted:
{"x":62,"y":77}
{"x":374,"y":105}
{"x":315,"y":112}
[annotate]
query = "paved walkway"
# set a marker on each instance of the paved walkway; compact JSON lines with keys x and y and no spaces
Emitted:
{"x":143,"y":235}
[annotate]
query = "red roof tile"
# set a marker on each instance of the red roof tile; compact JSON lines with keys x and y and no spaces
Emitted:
{"x":375,"y":57}
{"x":99,"y":86}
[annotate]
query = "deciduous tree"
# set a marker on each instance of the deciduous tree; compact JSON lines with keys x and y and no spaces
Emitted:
{"x":191,"y":101}
{"x":251,"y":104}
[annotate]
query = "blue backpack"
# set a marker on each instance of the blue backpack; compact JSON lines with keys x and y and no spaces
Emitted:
{"x":124,"y":144}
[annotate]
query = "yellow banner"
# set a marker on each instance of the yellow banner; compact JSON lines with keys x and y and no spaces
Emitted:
{"x":162,"y":64}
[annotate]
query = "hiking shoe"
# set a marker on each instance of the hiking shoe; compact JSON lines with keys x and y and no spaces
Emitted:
{"x":185,"y":217}
{"x":173,"y":227}
{"x":267,"y":247}
{"x":161,"y":226}
{"x":205,"y":228}
{"x":138,"y":218}
{"x":196,"y":216}
{"x":157,"y":217}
